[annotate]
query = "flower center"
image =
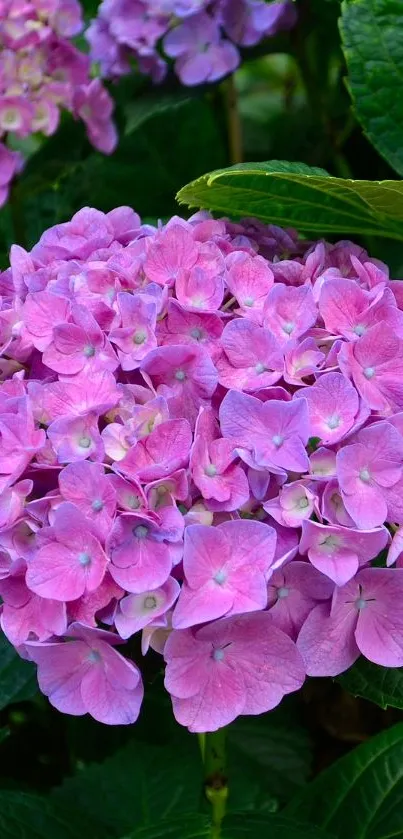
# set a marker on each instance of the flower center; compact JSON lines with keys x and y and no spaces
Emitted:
{"x":360,"y":329}
{"x":94,"y":657}
{"x":360,"y":603}
{"x":330,"y":543}
{"x":97,"y":505}
{"x":180,"y":375}
{"x":84,"y":442}
{"x":133,"y":501}
{"x":139,"y":337}
{"x":84,"y":559}
{"x":220,"y":577}
{"x":282,"y":592}
{"x":89,"y":351}
{"x":140,"y":532}
{"x":365,"y":475}
{"x":302,"y":503}
{"x":196,"y":333}
{"x":288,"y":327}
{"x":369,"y":372}
{"x":150,"y":602}
{"x":210,"y":470}
{"x":218,"y":655}
{"x":260,"y":368}
{"x":333,"y":421}
{"x":278,"y":440}
{"x":248,"y":301}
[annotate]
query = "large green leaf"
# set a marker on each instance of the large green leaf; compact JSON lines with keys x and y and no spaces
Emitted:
{"x":26,"y":816}
{"x":304,"y":197}
{"x":269,"y":756}
{"x":182,"y":827}
{"x":373,"y":45}
{"x":382,"y":685}
{"x":241,"y":826}
{"x":361,"y":795}
{"x":17,"y":677}
{"x":138,"y":786}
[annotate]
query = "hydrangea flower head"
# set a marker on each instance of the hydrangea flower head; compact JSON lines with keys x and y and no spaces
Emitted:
{"x":201,"y":37}
{"x":198,"y":448}
{"x":43,"y":72}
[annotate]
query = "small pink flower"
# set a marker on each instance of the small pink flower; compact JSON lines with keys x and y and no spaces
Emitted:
{"x":293,"y":591}
{"x":339,"y":551}
{"x":289,"y":312}
{"x":365,"y":616}
{"x":334,"y":408}
{"x":252,"y":358}
{"x":215,"y":673}
{"x":70,"y":562}
{"x":139,"y":610}
{"x":270,"y":435}
{"x":225,"y":569}
{"x":85,"y":674}
{"x":370,"y":472}
{"x":141,"y":553}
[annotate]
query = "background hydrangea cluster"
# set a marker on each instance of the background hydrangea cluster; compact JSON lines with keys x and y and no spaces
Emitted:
{"x":41,"y":73}
{"x":202,"y":36}
{"x":201,"y":442}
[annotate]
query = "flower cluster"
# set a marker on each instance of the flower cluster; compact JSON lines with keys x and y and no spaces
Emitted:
{"x":201,"y":441}
{"x":41,"y":72}
{"x":202,"y":36}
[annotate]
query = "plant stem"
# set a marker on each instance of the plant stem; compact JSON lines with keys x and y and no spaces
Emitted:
{"x":17,"y":217}
{"x":234,"y":126}
{"x":215,"y":776}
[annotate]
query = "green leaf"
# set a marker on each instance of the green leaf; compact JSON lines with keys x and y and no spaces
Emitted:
{"x":240,"y":826}
{"x":29,"y":816}
{"x":17,"y":677}
{"x":183,"y":827}
{"x":361,"y":795}
{"x":139,"y":785}
{"x":382,"y":685}
{"x":269,"y":756}
{"x":371,"y":32}
{"x":305,"y":197}
{"x":249,"y":826}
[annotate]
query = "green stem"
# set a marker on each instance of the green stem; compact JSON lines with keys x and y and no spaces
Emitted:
{"x":234,"y":126}
{"x":17,"y":217}
{"x":215,"y":776}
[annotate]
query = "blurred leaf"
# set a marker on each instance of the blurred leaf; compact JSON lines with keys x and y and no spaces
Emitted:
{"x":269,"y":757}
{"x":361,"y":794}
{"x":241,"y":826}
{"x":247,"y":826}
{"x":25,"y":816}
{"x":183,"y":827}
{"x":138,"y":786}
{"x":382,"y":685}
{"x":149,"y":105}
{"x":17,"y":677}
{"x":373,"y":46}
{"x":152,"y":162}
{"x":165,"y":141}
{"x":294,"y":194}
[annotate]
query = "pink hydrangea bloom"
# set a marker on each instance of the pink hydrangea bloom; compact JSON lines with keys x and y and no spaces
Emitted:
{"x":42,"y":72}
{"x":201,"y":36}
{"x":178,"y":467}
{"x":365,"y":616}
{"x":87,"y":675}
{"x":215,"y":673}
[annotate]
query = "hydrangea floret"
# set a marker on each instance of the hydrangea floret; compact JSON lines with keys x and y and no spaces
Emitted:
{"x":201,"y":444}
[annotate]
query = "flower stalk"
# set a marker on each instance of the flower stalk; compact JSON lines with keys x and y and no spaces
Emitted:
{"x":213,"y":749}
